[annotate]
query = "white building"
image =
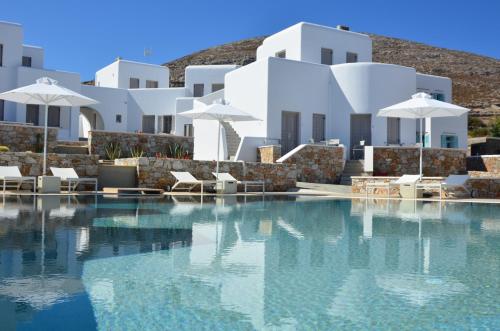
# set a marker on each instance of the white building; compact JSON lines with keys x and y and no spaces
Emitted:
{"x":309,"y":82}
{"x":313,"y":82}
{"x":132,"y":96}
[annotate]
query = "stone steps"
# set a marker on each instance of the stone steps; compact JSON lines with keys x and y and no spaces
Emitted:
{"x":352,"y":168}
{"x":232,"y":140}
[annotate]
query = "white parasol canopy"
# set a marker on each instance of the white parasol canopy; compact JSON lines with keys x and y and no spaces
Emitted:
{"x":220,"y":112}
{"x":420,"y":106}
{"x":46,"y":91}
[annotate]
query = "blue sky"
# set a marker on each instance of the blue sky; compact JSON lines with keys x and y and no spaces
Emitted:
{"x":83,"y":36}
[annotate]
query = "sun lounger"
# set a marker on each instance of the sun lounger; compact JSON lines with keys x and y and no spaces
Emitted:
{"x":184,"y":178}
{"x":11,"y":177}
{"x":70,"y":178}
{"x":451,"y":182}
{"x":228,"y":177}
{"x":405,"y":179}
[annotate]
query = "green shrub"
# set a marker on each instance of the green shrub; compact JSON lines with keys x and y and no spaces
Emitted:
{"x":479,"y":132}
{"x":113,"y":151}
{"x":495,"y":129}
{"x":136,"y":151}
{"x":4,"y":149}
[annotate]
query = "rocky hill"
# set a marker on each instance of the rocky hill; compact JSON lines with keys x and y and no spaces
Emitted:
{"x":476,"y":79}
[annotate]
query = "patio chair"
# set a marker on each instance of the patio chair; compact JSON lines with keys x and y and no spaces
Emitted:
{"x":405,"y":179}
{"x":451,"y":182}
{"x":11,"y":177}
{"x":188,"y":180}
{"x":246,"y":183}
{"x":70,"y":178}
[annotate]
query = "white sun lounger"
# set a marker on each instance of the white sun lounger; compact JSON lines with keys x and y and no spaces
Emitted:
{"x":189,"y":181}
{"x":405,"y":179}
{"x":451,"y":182}
{"x":11,"y":177}
{"x":70,"y":178}
{"x":228,"y":177}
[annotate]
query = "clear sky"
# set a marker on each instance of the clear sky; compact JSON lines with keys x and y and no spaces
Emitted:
{"x":85,"y":35}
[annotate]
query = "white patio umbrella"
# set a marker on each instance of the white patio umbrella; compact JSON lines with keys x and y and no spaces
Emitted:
{"x":220,"y":112}
{"x":47,"y":92}
{"x":420,"y":106}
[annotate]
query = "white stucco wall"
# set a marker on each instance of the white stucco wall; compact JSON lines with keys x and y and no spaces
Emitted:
{"x":112,"y":102}
{"x":68,"y":129}
{"x":181,"y":105}
{"x":206,"y":75}
{"x":303,"y":42}
{"x":447,"y":125}
{"x":160,"y":101}
{"x":36,"y":54}
{"x":118,"y":74}
{"x":11,"y":37}
{"x":365,"y":88}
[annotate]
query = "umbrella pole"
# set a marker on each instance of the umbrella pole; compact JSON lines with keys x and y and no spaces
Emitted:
{"x":46,"y":115}
{"x":421,"y":146}
{"x":218,"y":150}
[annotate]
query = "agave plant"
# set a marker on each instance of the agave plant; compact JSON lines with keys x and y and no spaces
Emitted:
{"x":136,"y":151}
{"x":113,"y":150}
{"x":177,"y":151}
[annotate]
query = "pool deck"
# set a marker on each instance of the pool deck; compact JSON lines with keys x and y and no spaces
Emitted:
{"x":303,"y":189}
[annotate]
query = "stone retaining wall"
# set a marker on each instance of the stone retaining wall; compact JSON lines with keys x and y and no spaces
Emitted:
{"x":481,"y":187}
{"x":485,"y":163}
{"x":22,"y":138}
{"x":150,"y":143}
{"x":398,"y":161}
{"x":268,"y":154}
{"x":155,"y":172}
{"x":317,"y":163}
{"x":31,"y":164}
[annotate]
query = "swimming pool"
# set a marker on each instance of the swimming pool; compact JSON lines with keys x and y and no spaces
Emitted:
{"x":247,"y":263}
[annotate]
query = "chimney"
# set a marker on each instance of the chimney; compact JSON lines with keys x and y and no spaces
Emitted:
{"x":343,"y":27}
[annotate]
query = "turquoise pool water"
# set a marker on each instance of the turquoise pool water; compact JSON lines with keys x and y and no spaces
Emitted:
{"x":243,"y":264}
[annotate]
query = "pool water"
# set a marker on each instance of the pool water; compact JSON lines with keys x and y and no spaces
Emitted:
{"x":236,"y":263}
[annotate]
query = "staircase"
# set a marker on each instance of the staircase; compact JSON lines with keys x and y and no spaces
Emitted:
{"x":232,"y":140}
{"x":352,"y":168}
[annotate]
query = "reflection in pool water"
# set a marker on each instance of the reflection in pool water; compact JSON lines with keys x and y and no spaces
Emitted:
{"x":247,"y":263}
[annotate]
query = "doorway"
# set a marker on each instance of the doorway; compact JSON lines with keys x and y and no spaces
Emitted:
{"x":361,"y":134}
{"x":318,"y":127}
{"x":393,"y":130}
{"x":289,"y":130}
{"x":148,"y":123}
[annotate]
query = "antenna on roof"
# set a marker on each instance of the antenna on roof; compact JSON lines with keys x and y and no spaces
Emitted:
{"x":148,"y":51}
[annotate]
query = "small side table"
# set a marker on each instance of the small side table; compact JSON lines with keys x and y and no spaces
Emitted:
{"x":49,"y":184}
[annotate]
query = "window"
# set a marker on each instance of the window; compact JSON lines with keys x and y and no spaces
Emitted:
{"x":318,"y":127}
{"x":118,"y":118}
{"x":54,"y":117}
{"x":327,"y":56}
{"x":198,"y":90}
{"x":165,"y":124}
{"x":1,"y":55}
{"x":281,"y":54}
{"x":438,"y":96}
{"x":151,"y":84}
{"x":134,"y":82}
{"x":26,"y":61}
{"x":188,"y":130}
{"x":32,"y":114}
{"x":148,"y":123}
{"x":2,"y":114}
{"x":351,"y":57}
{"x":449,"y":141}
{"x":217,"y":87}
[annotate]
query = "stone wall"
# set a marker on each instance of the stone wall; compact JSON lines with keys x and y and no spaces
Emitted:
{"x":268,"y":154}
{"x":317,"y":163}
{"x":22,"y":138}
{"x":481,"y":187}
{"x":31,"y":164}
{"x":155,"y":172}
{"x":398,"y":161}
{"x":486,"y":163}
{"x":150,"y":143}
